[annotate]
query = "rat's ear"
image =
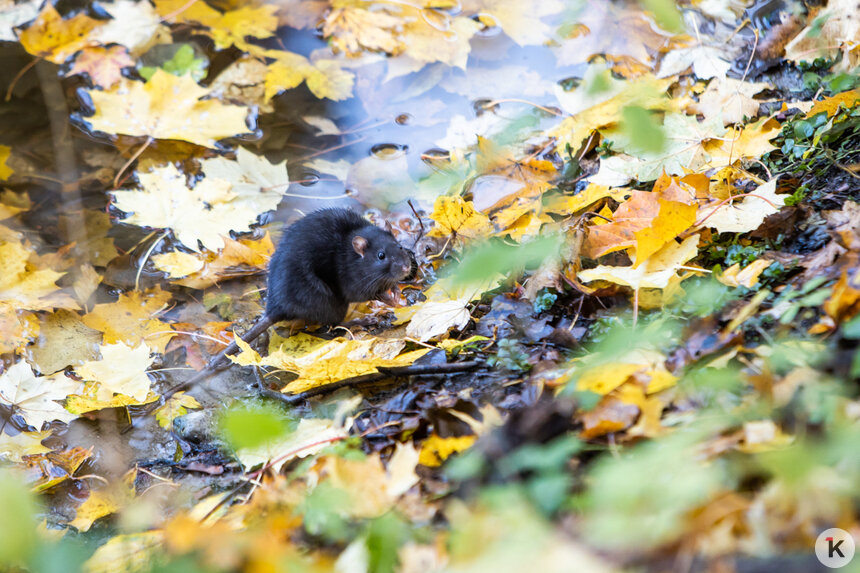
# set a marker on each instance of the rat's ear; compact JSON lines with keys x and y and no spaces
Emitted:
{"x":359,"y":245}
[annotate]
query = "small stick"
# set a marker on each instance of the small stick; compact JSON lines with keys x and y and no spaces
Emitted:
{"x":211,"y":368}
{"x":382,"y":374}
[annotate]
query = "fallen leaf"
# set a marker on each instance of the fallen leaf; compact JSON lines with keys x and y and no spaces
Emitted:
{"x":5,"y":170}
{"x":238,"y":258}
{"x":750,"y":141}
{"x":35,"y":397}
{"x":645,"y":222}
{"x":105,"y":501}
{"x":311,"y":436}
{"x":707,"y":62}
{"x":685,"y":151}
{"x":730,"y":99}
{"x":51,"y":37}
{"x":572,"y":204}
{"x":176,"y":406}
{"x":746,"y":214}
{"x":121,"y":370}
{"x":748,"y":277}
{"x":64,"y":340}
{"x":655,"y":272}
{"x":226,"y":29}
{"x":243,"y":82}
{"x":166,"y":107}
{"x":177,"y":264}
{"x":456,"y":217}
{"x":646,"y":92}
{"x":831,"y":105}
{"x":103,"y":65}
{"x":352,"y":29}
{"x":336,"y":359}
{"x":26,"y":286}
{"x":207,"y":213}
{"x":135,"y":25}
{"x":834,"y":29}
{"x":14,"y":448}
{"x":436,"y":449}
{"x":437,"y":317}
{"x":844,"y":301}
{"x":132,"y":319}
{"x":521,"y":21}
{"x":325,"y":78}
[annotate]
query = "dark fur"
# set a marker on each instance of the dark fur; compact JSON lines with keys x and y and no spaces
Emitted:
{"x":316,"y":272}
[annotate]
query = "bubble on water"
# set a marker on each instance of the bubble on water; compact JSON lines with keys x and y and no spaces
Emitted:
{"x":388,"y":151}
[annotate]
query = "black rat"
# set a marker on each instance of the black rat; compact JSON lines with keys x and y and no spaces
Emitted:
{"x":323,"y":262}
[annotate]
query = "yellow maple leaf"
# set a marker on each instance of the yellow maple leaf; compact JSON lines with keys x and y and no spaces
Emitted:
{"x":17,"y":328}
{"x":51,"y":37}
{"x":834,"y":29}
{"x":208,"y":212}
{"x":352,"y":29}
{"x":25,"y":286}
{"x":645,"y":222}
{"x":325,"y":78}
{"x":646,"y":92}
{"x":644,"y":366}
{"x":5,"y":170}
{"x":177,"y":264}
{"x":35,"y":397}
{"x":105,"y":501}
{"x":830,"y":105}
{"x":572,"y":204}
{"x":121,"y":370}
{"x":426,"y":41}
{"x":751,"y":141}
{"x":320,"y":363}
{"x":520,"y":20}
{"x":63,"y":341}
{"x":311,"y":436}
{"x":457,"y":217}
{"x":236,"y":259}
{"x":234,"y":26}
{"x":226,"y":29}
{"x":745,"y":214}
{"x":176,"y":406}
{"x":131,"y":319}
{"x":14,"y":448}
{"x":166,"y":107}
{"x":655,"y":272}
{"x":436,"y":449}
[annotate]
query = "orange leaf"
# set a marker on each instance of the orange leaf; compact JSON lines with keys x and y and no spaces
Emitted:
{"x":103,"y":65}
{"x":55,"y":39}
{"x":645,"y":222}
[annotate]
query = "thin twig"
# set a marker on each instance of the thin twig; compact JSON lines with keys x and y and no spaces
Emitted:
{"x":382,"y":374}
{"x":132,"y":159}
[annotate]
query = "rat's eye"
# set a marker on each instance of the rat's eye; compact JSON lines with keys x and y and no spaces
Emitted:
{"x":381,"y":255}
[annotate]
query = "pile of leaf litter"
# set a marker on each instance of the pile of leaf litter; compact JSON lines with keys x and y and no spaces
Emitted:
{"x":637,"y":229}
